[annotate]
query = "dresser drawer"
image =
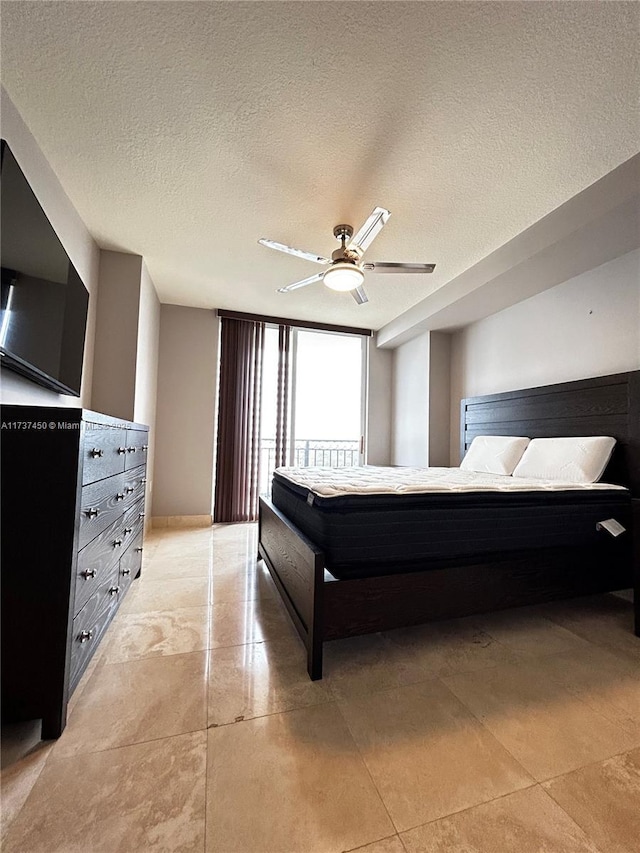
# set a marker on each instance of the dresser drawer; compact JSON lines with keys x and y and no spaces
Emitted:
{"x":137,"y":447}
{"x":102,"y":503}
{"x":134,"y":485}
{"x":104,"y":452}
{"x":131,"y":561}
{"x":90,"y":624}
{"x":99,"y":559}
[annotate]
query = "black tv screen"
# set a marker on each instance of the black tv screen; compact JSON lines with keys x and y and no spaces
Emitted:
{"x":43,"y":307}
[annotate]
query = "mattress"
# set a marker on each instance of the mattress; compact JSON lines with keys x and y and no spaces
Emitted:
{"x":372,"y":520}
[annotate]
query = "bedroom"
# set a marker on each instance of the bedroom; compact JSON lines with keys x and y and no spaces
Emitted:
{"x":117,"y":116}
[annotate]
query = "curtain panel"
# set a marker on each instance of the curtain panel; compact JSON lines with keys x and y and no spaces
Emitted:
{"x":240,"y":401}
{"x":238,"y":449}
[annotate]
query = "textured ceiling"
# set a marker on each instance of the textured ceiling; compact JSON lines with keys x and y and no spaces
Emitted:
{"x":185,"y":131}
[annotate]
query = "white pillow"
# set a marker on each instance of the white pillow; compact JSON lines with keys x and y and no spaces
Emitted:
{"x":494,"y":454}
{"x":572,"y":460}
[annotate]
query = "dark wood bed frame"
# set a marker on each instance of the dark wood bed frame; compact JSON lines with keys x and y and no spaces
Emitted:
{"x":323,"y":608}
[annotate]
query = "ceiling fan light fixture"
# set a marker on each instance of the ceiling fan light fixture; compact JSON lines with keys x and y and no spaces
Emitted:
{"x":344,"y":276}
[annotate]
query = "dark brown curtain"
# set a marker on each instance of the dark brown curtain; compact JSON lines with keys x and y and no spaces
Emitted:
{"x":238,"y":457}
{"x":282,"y":401}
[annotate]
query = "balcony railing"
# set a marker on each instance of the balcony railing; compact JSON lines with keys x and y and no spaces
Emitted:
{"x":308,"y":452}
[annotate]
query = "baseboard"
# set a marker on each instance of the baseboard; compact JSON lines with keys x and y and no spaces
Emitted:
{"x":159,"y":522}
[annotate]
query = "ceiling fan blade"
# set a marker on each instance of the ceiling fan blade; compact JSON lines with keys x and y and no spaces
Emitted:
{"x":308,"y":256}
{"x":303,"y":283}
{"x":369,"y":231}
{"x":379,"y":266}
{"x":359,"y":295}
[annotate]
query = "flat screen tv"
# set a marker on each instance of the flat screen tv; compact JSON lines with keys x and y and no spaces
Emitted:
{"x":43,"y":307}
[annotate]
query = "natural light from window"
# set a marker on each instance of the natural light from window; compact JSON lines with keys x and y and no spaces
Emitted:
{"x":326,"y":400}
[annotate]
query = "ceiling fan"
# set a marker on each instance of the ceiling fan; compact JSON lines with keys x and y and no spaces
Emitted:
{"x":345,"y":268}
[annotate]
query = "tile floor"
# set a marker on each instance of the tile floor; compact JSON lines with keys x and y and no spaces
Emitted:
{"x":197,"y":729}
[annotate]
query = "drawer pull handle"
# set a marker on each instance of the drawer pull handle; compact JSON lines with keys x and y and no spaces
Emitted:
{"x":138,"y":550}
{"x":125,"y":572}
{"x":121,"y":450}
{"x":127,"y":530}
{"x":145,"y":447}
{"x":117,"y":543}
{"x":85,"y":636}
{"x":131,"y":449}
{"x":96,"y":452}
{"x":94,"y":512}
{"x":114,"y":590}
{"x":140,"y":515}
{"x":120,"y":496}
{"x":88,"y":573}
{"x":129,"y":490}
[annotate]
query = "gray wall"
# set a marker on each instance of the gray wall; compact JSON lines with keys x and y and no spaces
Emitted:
{"x":439,"y":398}
{"x":186,"y":406}
{"x":410,"y":403}
{"x":116,"y":339}
{"x":421,"y":401}
{"x":587,"y":326}
{"x":75,"y":238}
{"x":378,"y":428}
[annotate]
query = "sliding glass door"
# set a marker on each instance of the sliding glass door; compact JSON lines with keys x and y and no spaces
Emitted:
{"x":326,"y":404}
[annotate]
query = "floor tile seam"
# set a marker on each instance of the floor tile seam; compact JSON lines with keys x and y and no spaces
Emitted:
{"x":7,"y":829}
{"x":82,"y":754}
{"x":168,"y":610}
{"x":589,"y":639}
{"x":360,"y":696}
{"x":154,"y":657}
{"x":210,"y":603}
{"x":588,"y":764}
{"x":490,"y":733}
{"x":574,"y":691}
{"x":365,"y":764}
{"x":177,"y":577}
{"x":469,"y":808}
{"x":501,"y":797}
{"x":206,"y":776}
{"x":569,"y":688}
{"x":576,"y":696}
{"x":375,"y":691}
{"x":618,"y":652}
{"x":377,"y":841}
{"x":487,"y":665}
{"x":582,"y":829}
{"x":51,"y":758}
{"x":122,"y":614}
{"x":328,"y":701}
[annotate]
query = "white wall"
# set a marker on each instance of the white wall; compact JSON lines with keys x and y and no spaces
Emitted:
{"x":146,"y":382}
{"x":410,"y":403}
{"x":185,"y":415}
{"x":380,"y":377}
{"x":75,"y":238}
{"x":147,"y":349}
{"x":587,"y":326}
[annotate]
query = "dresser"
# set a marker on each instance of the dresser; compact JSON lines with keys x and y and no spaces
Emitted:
{"x":73,"y":492}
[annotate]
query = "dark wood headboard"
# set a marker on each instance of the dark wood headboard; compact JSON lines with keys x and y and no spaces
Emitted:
{"x":604,"y":405}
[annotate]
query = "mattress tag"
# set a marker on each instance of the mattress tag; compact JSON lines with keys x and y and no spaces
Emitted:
{"x":310,"y":498}
{"x":611,"y":526}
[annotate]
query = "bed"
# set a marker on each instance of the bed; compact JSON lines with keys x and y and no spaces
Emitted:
{"x":349,"y":563}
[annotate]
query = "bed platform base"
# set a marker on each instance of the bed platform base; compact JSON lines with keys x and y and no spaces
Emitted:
{"x":323,"y":608}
